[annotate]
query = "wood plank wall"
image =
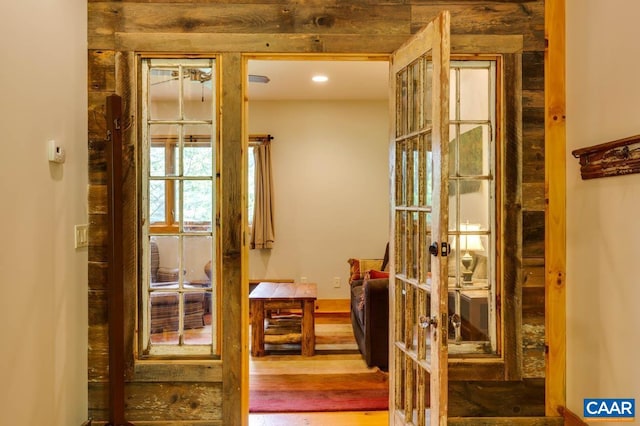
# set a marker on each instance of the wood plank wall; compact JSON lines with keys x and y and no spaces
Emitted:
{"x":116,"y":28}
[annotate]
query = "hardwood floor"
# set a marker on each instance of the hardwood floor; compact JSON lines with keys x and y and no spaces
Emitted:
{"x":371,"y":418}
{"x":347,"y":363}
{"x":337,"y":325}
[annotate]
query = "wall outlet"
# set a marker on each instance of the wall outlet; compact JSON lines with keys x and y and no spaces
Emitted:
{"x":303,"y":280}
{"x":336,"y":282}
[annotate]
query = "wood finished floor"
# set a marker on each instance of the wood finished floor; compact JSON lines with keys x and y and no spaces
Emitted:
{"x":368,"y":418}
{"x":347,"y":363}
{"x":271,"y":364}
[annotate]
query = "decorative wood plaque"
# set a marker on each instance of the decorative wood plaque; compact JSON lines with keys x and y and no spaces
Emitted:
{"x":620,"y":157}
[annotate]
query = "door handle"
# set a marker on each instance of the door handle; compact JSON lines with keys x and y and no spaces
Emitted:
{"x":456,"y":321}
{"x":445,"y":250}
{"x":426,"y":322}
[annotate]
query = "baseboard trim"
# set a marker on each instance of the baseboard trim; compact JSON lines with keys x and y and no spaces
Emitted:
{"x":332,"y":306}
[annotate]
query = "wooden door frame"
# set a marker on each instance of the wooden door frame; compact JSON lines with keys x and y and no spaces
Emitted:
{"x":555,"y":211}
{"x":555,"y":207}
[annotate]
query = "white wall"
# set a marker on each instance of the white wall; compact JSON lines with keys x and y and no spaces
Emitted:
{"x":43,"y":308}
{"x":331,"y":179}
{"x":603,"y":225}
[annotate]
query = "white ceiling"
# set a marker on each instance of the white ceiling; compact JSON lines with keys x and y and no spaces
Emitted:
{"x":291,"y":80}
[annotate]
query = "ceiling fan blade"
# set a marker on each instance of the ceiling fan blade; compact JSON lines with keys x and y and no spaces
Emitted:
{"x":254,"y":78}
{"x":164,"y":81}
{"x":202,"y":78}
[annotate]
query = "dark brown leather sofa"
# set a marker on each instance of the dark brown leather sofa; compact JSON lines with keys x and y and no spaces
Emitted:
{"x":370,"y":320}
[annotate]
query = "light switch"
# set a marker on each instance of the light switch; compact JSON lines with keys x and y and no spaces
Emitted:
{"x":81,"y":235}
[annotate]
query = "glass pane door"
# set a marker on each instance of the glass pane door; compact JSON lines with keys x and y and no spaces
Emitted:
{"x":419,"y":80}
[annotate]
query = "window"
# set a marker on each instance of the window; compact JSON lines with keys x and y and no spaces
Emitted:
{"x":472,"y":207}
{"x":260,"y":190}
{"x":178,"y":313}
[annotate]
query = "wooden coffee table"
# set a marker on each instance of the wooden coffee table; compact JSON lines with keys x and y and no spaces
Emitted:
{"x":268,"y":297}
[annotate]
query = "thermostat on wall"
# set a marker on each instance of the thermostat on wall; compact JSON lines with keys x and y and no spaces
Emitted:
{"x":56,"y":152}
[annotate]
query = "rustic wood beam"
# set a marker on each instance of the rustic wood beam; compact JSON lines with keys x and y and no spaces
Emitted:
{"x":303,"y":43}
{"x":235,"y":292}
{"x":115,"y":298}
{"x":555,"y":213}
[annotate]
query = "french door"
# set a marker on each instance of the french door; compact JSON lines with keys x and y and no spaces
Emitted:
{"x":419,"y":102}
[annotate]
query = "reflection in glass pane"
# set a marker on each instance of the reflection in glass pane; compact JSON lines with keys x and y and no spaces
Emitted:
{"x":428,"y":189}
{"x":196,"y":331}
{"x":197,"y":159}
{"x":163,"y":160}
{"x":427,"y":339}
{"x":412,"y":319}
{"x":428,"y":239}
{"x":471,"y":148}
{"x":453,"y":149}
{"x":196,"y":255}
{"x":164,"y":93}
{"x":401,"y":297}
{"x":411,"y":397}
{"x":198,"y":204}
{"x":418,"y":330}
{"x":198,"y":92}
{"x":157,"y":161}
{"x":428,"y":92}
{"x":400,"y":366}
{"x":421,"y":313}
{"x":474,"y":94}
{"x":157,"y":201}
{"x":164,"y":311}
{"x":475,"y":315}
{"x":401,"y":160}
{"x":402,"y":103}
{"x":453,"y":93}
{"x":415,"y":173}
{"x":453,"y":265}
{"x":198,"y":150}
{"x":423,"y":244}
{"x":414,"y":79}
{"x":474,"y":206}
{"x":453,"y":204}
{"x":414,"y":236}
{"x":167,"y":266}
{"x":401,"y":254}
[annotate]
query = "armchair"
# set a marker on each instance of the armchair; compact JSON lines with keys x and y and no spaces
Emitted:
{"x":165,"y":304}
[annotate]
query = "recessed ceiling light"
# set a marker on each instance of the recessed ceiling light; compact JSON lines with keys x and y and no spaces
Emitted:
{"x":320,"y":78}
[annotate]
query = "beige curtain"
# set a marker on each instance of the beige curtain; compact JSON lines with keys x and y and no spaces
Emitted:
{"x":263,"y":233}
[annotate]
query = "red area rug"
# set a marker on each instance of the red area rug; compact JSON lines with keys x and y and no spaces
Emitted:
{"x":320,"y":392}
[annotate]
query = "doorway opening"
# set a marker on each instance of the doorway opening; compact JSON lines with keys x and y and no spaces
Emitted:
{"x":329,"y":163}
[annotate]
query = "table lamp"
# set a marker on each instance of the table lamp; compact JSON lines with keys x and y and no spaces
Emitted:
{"x":468,"y":245}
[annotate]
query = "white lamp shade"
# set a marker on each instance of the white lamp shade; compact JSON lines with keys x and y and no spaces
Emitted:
{"x":470,"y":242}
